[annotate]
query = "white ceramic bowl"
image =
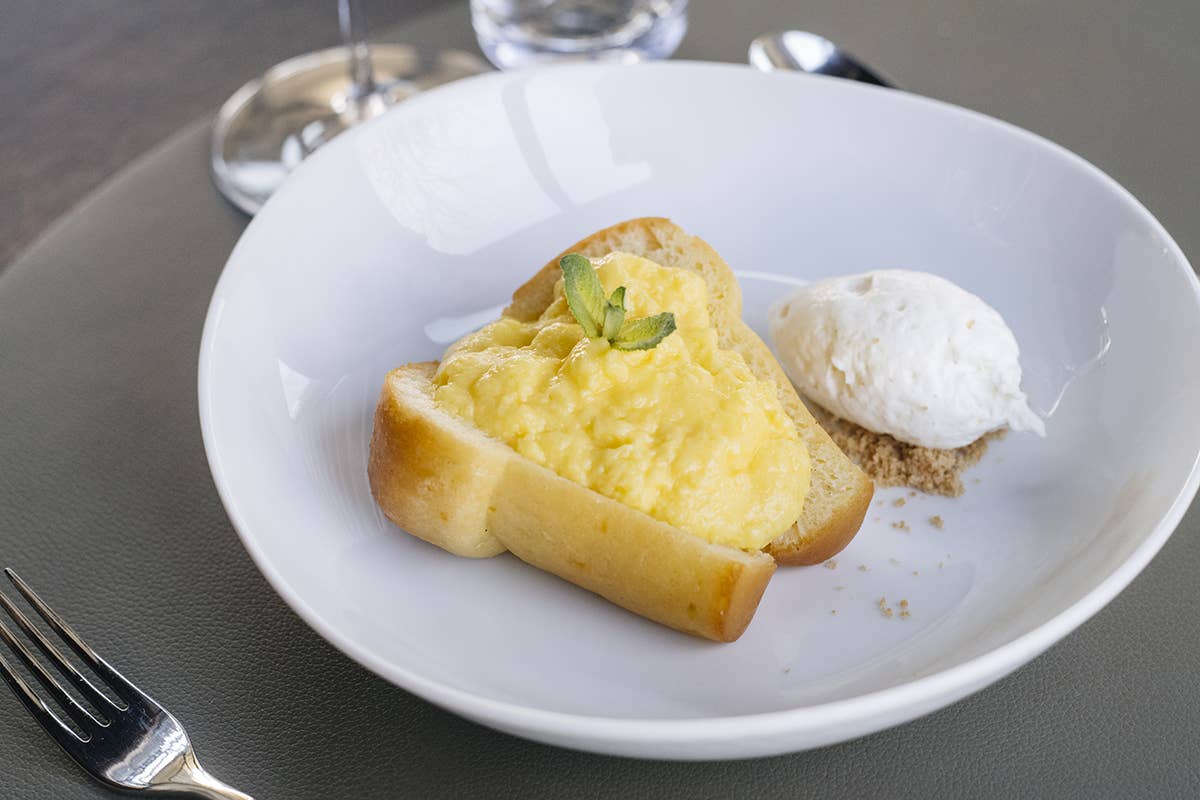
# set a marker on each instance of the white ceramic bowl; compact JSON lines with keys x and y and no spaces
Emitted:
{"x":405,"y":233}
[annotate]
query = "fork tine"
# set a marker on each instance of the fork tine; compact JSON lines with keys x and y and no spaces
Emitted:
{"x":66,"y":737}
{"x":77,"y":712}
{"x":107,"y":673}
{"x":82,"y":684}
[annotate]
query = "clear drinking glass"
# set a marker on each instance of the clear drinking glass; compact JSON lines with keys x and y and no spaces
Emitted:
{"x":514,"y":33}
{"x":273,"y":122}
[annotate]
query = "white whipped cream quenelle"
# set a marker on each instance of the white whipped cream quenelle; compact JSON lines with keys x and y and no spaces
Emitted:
{"x":904,"y":353}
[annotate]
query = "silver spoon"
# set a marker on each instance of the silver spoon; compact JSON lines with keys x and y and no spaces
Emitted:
{"x":802,"y":51}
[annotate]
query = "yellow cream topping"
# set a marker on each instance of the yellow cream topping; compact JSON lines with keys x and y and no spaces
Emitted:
{"x":683,"y":432}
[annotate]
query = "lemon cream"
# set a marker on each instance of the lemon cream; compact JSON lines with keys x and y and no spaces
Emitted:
{"x":684,"y":431}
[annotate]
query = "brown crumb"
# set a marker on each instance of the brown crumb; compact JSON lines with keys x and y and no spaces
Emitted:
{"x":833,"y":611}
{"x":901,"y":525}
{"x":830,"y":564}
{"x":862,"y":567}
{"x":878,"y":519}
{"x":904,"y":604}
{"x":899,"y":502}
{"x":937,"y":522}
{"x":884,"y":608}
{"x":912,"y":494}
{"x":905,"y":615}
{"x":891,"y":462}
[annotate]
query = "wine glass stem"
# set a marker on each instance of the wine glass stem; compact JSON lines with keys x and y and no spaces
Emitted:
{"x":354,"y":32}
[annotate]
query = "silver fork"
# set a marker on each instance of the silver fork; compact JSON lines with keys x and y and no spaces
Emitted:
{"x":135,"y":744}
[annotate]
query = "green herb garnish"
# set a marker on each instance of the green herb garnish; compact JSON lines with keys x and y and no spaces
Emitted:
{"x":604,"y":318}
{"x":585,"y":295}
{"x":645,"y":333}
{"x":614,"y":314}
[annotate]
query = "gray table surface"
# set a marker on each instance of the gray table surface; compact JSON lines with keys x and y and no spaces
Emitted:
{"x":88,"y":86}
{"x":108,"y":507}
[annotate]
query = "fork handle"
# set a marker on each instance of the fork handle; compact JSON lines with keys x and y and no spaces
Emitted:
{"x":194,"y":780}
{"x":209,"y":788}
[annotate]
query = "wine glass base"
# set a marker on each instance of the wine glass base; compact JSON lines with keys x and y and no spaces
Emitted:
{"x":273,"y":122}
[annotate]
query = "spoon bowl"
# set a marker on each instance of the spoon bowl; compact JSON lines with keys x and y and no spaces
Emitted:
{"x":802,"y":51}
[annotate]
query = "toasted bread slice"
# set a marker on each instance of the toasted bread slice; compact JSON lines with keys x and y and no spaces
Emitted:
{"x":840,"y":492}
{"x":447,"y":482}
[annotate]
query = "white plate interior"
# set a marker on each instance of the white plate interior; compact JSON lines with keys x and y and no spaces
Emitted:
{"x":415,"y":229}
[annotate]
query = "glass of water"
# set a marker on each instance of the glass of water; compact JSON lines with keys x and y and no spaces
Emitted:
{"x":515,"y":33}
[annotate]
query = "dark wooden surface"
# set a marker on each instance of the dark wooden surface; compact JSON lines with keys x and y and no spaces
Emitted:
{"x":88,"y":85}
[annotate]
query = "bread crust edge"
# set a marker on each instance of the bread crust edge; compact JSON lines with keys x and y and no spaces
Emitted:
{"x":455,"y":487}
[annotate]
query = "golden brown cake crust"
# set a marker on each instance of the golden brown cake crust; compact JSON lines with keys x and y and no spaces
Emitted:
{"x":450,"y":484}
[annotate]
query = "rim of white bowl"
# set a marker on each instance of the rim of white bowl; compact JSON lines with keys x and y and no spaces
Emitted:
{"x":928,"y":692}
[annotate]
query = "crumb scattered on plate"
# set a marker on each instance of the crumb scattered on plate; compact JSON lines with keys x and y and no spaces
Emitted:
{"x":937,"y":522}
{"x":899,"y":502}
{"x":862,"y":567}
{"x":830,"y":564}
{"x":900,"y":526}
{"x":884,"y":608}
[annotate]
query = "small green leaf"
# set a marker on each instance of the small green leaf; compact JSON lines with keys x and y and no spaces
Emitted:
{"x":585,"y":295}
{"x":614,"y":314}
{"x":605,"y":317}
{"x":645,"y":333}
